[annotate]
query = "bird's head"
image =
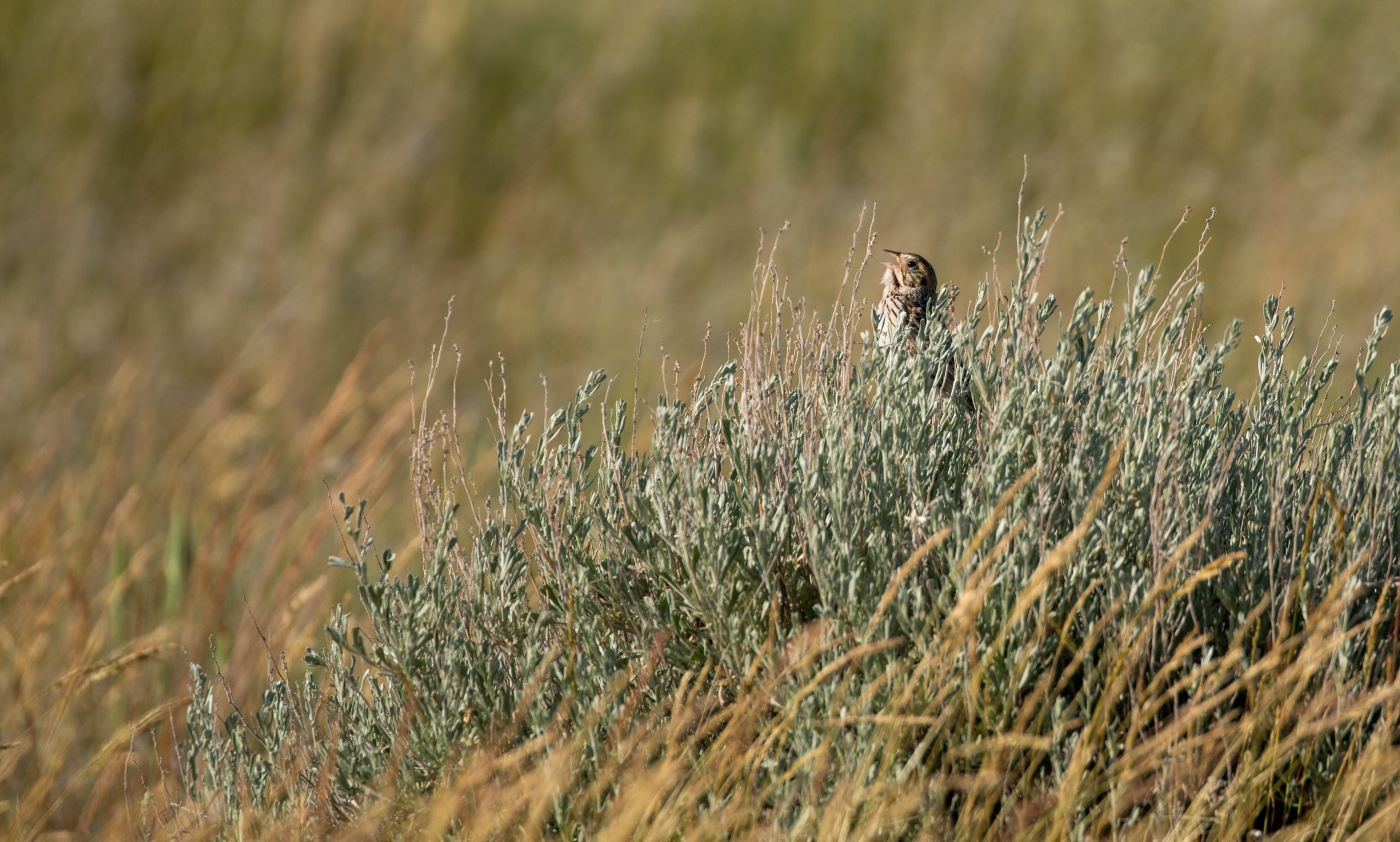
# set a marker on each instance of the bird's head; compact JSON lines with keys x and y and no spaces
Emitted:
{"x":908,"y":270}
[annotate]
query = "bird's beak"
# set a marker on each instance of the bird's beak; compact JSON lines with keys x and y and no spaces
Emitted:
{"x":893,"y":267}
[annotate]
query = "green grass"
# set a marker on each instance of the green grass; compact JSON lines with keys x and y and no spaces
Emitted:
{"x":1118,"y":599}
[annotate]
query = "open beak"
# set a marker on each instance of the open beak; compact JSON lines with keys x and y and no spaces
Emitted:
{"x":892,"y":265}
{"x":888,"y":279}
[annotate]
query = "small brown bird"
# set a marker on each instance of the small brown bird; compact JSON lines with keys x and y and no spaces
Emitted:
{"x":911,"y":290}
{"x":910,"y":286}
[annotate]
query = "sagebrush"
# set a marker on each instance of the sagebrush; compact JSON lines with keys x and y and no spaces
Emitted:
{"x":820,"y":599}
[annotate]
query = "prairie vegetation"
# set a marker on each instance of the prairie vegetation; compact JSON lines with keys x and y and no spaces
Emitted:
{"x":186,"y":185}
{"x":796,"y":593}
{"x":1117,"y":599}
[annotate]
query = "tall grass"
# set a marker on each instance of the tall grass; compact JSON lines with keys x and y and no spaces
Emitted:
{"x":176,"y":177}
{"x":1115,"y":599}
{"x":208,"y":210}
{"x":124,"y":553}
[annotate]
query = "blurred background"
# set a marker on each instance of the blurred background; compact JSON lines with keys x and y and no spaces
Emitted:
{"x":186,"y":181}
{"x":227,"y":225}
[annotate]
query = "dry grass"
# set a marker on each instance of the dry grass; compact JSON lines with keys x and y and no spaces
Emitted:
{"x":1056,"y":662}
{"x":135,"y":552}
{"x":177,"y":178}
{"x":223,"y":226}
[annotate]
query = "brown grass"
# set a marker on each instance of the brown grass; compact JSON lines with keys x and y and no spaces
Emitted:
{"x":225,"y":224}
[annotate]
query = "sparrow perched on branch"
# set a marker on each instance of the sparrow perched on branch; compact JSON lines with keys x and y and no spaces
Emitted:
{"x":911,"y":289}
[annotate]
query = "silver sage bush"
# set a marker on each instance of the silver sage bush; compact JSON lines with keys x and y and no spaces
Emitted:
{"x":1094,"y":591}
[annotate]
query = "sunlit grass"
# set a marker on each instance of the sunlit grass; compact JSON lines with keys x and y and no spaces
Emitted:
{"x":177,"y":177}
{"x":208,"y":211}
{"x":1117,"y":600}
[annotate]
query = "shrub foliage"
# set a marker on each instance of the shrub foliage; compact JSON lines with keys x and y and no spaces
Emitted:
{"x":1095,"y":591}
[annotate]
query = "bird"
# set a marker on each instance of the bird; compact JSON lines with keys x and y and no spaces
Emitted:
{"x":910,"y":292}
{"x":910,"y":286}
